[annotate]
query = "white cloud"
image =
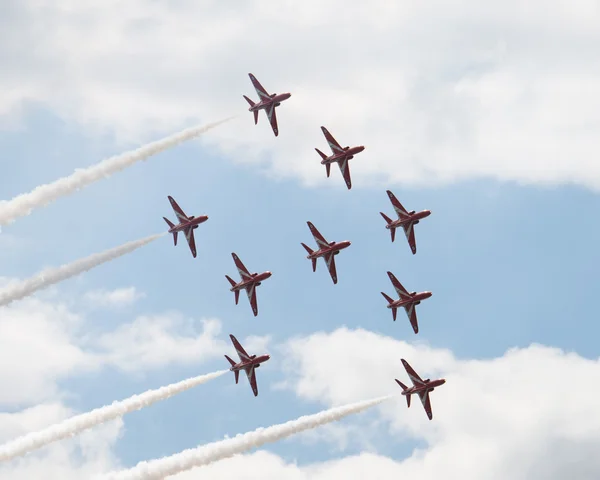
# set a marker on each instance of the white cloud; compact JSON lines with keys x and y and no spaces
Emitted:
{"x":73,"y":459}
{"x":46,"y":342}
{"x":119,"y":297}
{"x":437,"y":92}
{"x":154,"y":341}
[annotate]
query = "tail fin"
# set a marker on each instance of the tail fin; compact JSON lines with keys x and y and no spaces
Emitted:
{"x":327,"y":165}
{"x":307,"y":248}
{"x":235,"y":372}
{"x":387,"y":297}
{"x":255,"y":112}
{"x":404,"y":389}
{"x":389,"y":221}
{"x":323,"y":156}
{"x":390,"y":301}
{"x":237,"y":292}
{"x":171,"y":225}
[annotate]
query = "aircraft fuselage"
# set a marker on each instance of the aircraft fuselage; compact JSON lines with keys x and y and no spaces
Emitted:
{"x":347,"y":154}
{"x":256,"y":361}
{"x":335,"y":247}
{"x":192,"y":223}
{"x":413,"y":218}
{"x":414,"y":299}
{"x":263,"y":104}
{"x":256,"y":279}
{"x":428,"y":386}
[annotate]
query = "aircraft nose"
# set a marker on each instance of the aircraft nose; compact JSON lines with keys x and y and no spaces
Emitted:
{"x":442,"y":381}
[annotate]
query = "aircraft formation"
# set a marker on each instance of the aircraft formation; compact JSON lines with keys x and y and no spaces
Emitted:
{"x":326,"y":250}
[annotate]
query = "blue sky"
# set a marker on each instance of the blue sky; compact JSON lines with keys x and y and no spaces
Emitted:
{"x":500,"y":259}
{"x":509,"y":252}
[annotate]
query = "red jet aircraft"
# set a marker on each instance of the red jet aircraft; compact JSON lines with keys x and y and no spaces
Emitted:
{"x":327,"y":250}
{"x":187,"y":225}
{"x":247,"y":363}
{"x":249,"y":282}
{"x":420,"y":387}
{"x":339,"y":155}
{"x":267,"y":102}
{"x":406,"y":220}
{"x":406,"y":300}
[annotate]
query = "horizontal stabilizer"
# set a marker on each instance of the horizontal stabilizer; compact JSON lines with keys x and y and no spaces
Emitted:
{"x":231,"y":280}
{"x":249,"y":101}
{"x":386,"y":218}
{"x":323,"y":156}
{"x":307,"y":248}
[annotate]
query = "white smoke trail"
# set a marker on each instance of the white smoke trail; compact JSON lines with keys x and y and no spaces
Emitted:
{"x":162,"y":467}
{"x":79,"y":423}
{"x":23,"y":204}
{"x":49,"y":276}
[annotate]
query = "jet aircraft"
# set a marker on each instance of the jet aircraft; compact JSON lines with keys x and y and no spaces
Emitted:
{"x":187,"y":225}
{"x":406,"y":300}
{"x":339,"y":155}
{"x":249,"y":282}
{"x":406,"y":220}
{"x":248,"y":363}
{"x":267,"y":102}
{"x":420,"y":387}
{"x":327,"y":250}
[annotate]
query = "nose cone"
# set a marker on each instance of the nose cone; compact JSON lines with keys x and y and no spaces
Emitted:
{"x":427,"y":294}
{"x":442,"y":381}
{"x":268,"y":357}
{"x":286,"y":96}
{"x":268,"y":274}
{"x":360,"y":148}
{"x":347,"y":243}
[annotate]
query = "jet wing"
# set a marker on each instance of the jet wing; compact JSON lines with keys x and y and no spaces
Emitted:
{"x":321,"y":242}
{"x":182,"y":217}
{"x":239,"y":349}
{"x":330,"y":261}
{"x":409,"y":231}
{"x":424,"y":396}
{"x":260,"y":90}
{"x":411,"y":311}
{"x":189,"y":236}
{"x":400,"y":290}
{"x":333,"y":144}
{"x":273,"y":118}
{"x":400,"y":210}
{"x":251,"y":291}
{"x":345,"y":169}
{"x":243,"y":271}
{"x":251,"y":374}
{"x":414,"y":377}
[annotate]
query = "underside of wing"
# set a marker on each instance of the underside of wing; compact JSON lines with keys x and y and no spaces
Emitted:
{"x":424,"y":396}
{"x":414,"y":377}
{"x":251,"y":291}
{"x":243,"y":271}
{"x":333,"y":144}
{"x":411,"y":311}
{"x":345,"y":169}
{"x":189,"y":236}
{"x":330,"y":261}
{"x":400,"y":210}
{"x":239,"y":349}
{"x":273,"y":119}
{"x":181,"y":216}
{"x":260,"y":90}
{"x":251,"y":374}
{"x":409,"y":231}
{"x":400,"y":290}
{"x":317,"y":236}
